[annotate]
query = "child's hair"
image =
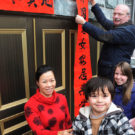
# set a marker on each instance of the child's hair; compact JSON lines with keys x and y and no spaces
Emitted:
{"x":127,"y":87}
{"x":41,"y":70}
{"x":96,"y":84}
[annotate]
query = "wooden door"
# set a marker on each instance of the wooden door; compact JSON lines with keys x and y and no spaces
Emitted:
{"x":25,"y":43}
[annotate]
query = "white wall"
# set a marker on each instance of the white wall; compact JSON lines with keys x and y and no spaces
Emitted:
{"x":69,"y":8}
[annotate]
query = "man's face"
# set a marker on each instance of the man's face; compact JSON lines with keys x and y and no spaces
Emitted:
{"x":120,"y":15}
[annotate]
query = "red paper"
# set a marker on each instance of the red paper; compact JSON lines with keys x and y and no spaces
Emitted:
{"x":82,"y":66}
{"x":34,"y":6}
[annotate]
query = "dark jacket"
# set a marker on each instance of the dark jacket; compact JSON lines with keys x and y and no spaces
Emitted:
{"x":129,"y":109}
{"x":119,"y":42}
{"x":114,"y":123}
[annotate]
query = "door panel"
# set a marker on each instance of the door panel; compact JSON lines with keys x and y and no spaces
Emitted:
{"x":14,"y":73}
{"x":55,"y":40}
{"x":53,"y":48}
{"x":26,"y":43}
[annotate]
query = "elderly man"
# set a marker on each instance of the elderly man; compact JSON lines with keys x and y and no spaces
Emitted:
{"x":118,"y":37}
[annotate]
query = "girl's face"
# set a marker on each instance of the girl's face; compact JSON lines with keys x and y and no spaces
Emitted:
{"x":119,"y":78}
{"x":100,"y":101}
{"x":46,"y":84}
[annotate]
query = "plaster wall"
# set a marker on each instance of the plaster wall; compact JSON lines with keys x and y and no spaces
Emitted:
{"x":69,"y":8}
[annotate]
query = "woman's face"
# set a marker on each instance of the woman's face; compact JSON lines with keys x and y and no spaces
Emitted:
{"x":46,"y":83}
{"x":119,"y":78}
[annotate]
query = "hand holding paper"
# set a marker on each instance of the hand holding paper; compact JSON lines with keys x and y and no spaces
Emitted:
{"x":79,"y":19}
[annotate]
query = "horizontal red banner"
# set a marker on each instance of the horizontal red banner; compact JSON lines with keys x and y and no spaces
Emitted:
{"x":34,"y":6}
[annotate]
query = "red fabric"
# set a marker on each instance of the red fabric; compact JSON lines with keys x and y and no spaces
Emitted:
{"x":47,"y":116}
{"x":82,"y":66}
{"x":34,"y":6}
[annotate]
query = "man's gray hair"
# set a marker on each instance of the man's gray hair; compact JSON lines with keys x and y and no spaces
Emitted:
{"x":127,"y":8}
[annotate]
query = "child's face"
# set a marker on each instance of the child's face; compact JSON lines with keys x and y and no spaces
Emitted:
{"x":119,"y":78}
{"x":100,"y":101}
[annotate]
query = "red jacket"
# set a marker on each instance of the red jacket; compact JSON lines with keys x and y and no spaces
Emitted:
{"x":47,"y":116}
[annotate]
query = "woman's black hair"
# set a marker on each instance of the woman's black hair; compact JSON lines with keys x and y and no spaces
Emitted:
{"x":41,"y":70}
{"x":96,"y":84}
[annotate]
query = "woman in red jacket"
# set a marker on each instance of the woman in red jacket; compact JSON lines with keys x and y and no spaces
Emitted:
{"x":47,"y":111}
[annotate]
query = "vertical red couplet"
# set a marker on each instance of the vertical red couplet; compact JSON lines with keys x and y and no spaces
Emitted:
{"x":82,"y":65}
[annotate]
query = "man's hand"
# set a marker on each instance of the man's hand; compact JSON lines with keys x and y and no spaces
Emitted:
{"x":79,"y":19}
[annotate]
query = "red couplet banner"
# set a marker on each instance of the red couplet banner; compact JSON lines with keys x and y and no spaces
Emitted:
{"x":82,"y":66}
{"x":34,"y":6}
